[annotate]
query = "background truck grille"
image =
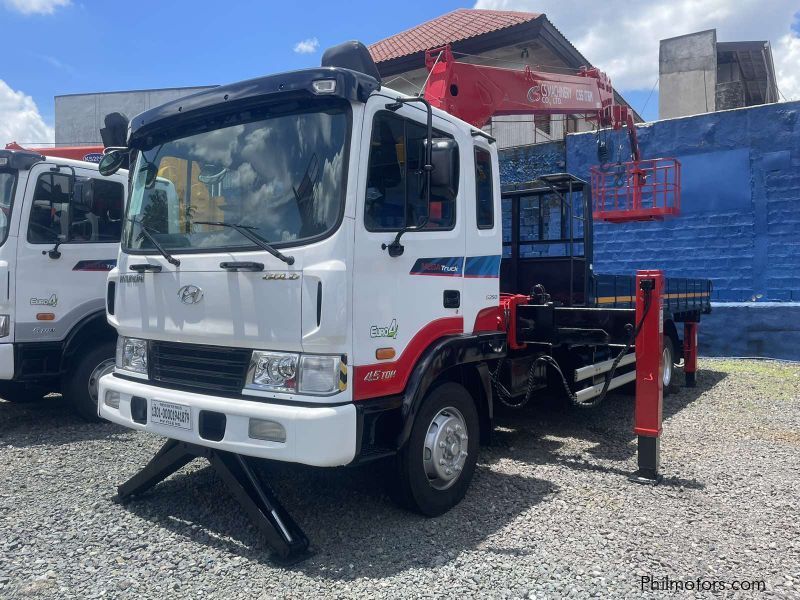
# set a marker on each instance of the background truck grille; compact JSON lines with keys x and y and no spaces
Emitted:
{"x":199,"y":368}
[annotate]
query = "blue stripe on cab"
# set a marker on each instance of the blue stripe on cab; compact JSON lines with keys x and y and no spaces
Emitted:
{"x":483,"y":266}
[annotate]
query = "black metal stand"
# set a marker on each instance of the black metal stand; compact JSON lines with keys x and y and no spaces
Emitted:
{"x":283,"y":534}
{"x":649,"y":457}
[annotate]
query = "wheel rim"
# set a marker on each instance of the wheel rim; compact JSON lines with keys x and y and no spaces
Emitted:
{"x":104,"y":368}
{"x":666,"y":356}
{"x":445,"y":451}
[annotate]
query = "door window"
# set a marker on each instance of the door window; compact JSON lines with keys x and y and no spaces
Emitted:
{"x":483,"y":189}
{"x":396,"y":179}
{"x":88,"y":210}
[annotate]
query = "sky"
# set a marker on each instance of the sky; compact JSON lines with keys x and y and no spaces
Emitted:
{"x":55,"y":47}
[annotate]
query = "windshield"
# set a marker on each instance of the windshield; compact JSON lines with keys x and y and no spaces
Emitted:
{"x":281,"y":176}
{"x":8,"y":180}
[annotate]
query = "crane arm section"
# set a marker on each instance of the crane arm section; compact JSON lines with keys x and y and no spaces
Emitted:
{"x":476,"y":93}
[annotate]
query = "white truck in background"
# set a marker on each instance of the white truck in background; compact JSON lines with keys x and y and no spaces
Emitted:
{"x":60,"y":225}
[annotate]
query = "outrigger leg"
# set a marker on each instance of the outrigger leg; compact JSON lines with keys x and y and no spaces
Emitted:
{"x":283,"y":534}
{"x":649,"y":380}
{"x":690,"y":352}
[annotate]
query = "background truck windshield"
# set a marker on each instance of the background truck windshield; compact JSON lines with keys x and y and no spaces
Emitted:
{"x":283,"y":176}
{"x":8,"y":180}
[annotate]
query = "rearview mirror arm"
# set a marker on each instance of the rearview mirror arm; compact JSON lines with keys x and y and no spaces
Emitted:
{"x":396,"y":248}
{"x":54,"y":252}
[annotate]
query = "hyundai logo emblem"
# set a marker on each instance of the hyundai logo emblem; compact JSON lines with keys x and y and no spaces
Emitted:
{"x":190,"y":294}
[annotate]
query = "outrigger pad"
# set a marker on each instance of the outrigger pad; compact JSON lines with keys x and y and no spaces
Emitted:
{"x":287,"y":540}
{"x":649,"y":451}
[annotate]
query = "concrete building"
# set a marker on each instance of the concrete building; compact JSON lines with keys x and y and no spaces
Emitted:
{"x":79,"y":117}
{"x":498,"y":38}
{"x":698,"y":74}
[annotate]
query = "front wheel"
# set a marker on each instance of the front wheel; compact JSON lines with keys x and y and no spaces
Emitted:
{"x":437,"y":463}
{"x":82,"y":386}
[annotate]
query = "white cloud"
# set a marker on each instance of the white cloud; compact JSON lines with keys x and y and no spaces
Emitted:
{"x":20,"y":119}
{"x":786,"y":54}
{"x":307,"y":46}
{"x":36,"y":7}
{"x":622,"y":36}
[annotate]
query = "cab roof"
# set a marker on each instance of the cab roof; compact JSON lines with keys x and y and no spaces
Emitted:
{"x":350,"y":85}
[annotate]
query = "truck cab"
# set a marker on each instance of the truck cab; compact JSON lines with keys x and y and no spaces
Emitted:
{"x":60,"y":223}
{"x":260,"y":307}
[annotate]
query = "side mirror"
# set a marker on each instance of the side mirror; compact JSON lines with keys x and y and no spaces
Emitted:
{"x":444,"y":158}
{"x":112,"y":161}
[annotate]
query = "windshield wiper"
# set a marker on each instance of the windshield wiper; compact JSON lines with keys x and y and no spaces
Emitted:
{"x":247,"y":231}
{"x":149,"y":235}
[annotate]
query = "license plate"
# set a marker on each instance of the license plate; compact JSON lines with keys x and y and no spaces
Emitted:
{"x":169,"y":413}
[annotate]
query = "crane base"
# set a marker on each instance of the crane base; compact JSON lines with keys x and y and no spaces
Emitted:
{"x":256,"y":497}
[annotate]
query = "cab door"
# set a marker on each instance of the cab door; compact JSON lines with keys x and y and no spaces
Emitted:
{"x":484,"y":236}
{"x":402,"y":304}
{"x":56,"y":287}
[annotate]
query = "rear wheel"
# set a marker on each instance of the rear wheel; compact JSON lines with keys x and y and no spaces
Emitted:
{"x":82,"y":386}
{"x":437,"y":463}
{"x":668,"y":358}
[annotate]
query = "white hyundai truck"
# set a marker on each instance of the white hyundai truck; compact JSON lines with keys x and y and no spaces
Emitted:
{"x":323,"y":286}
{"x":60,"y":224}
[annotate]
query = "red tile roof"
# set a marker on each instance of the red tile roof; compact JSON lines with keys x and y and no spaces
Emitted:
{"x":458,"y":25}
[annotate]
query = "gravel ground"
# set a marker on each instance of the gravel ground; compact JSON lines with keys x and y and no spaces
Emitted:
{"x":550,"y":512}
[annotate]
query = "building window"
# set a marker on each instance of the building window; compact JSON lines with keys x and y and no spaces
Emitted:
{"x":483,"y":189}
{"x":92,"y":213}
{"x":542,"y":123}
{"x":396,"y":179}
{"x":571,"y":124}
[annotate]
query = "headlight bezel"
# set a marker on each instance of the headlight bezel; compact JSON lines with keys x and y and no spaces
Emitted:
{"x":128,"y":362}
{"x":302,"y":363}
{"x":266,"y":366}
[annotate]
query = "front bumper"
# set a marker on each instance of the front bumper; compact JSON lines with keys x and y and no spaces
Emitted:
{"x":323,"y":436}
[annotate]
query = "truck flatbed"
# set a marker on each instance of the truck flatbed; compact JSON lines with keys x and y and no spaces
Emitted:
{"x":682,"y":296}
{"x":548,"y":242}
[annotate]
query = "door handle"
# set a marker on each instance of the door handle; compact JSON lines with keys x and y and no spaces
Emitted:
{"x":451,"y":299}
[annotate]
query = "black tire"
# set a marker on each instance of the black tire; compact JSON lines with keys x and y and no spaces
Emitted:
{"x":20,"y":393}
{"x":669,"y":363}
{"x":414,"y":489}
{"x":76,"y":387}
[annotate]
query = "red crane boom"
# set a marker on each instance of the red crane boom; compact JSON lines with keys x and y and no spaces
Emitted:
{"x":476,"y":93}
{"x":637,"y":190}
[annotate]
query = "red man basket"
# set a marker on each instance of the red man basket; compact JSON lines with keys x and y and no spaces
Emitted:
{"x":642,"y":190}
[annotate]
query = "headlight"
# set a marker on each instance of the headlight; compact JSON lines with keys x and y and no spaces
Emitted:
{"x":319,"y":374}
{"x":290,"y":372}
{"x":5,"y":322}
{"x":273,"y":371}
{"x":132,"y":355}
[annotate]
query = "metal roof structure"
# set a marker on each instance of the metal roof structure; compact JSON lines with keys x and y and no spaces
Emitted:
{"x":753,"y":61}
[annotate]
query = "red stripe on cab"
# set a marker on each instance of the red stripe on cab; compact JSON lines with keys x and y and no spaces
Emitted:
{"x":387,"y":378}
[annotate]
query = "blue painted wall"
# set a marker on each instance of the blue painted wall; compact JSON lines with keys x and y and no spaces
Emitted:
{"x":740,"y":217}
